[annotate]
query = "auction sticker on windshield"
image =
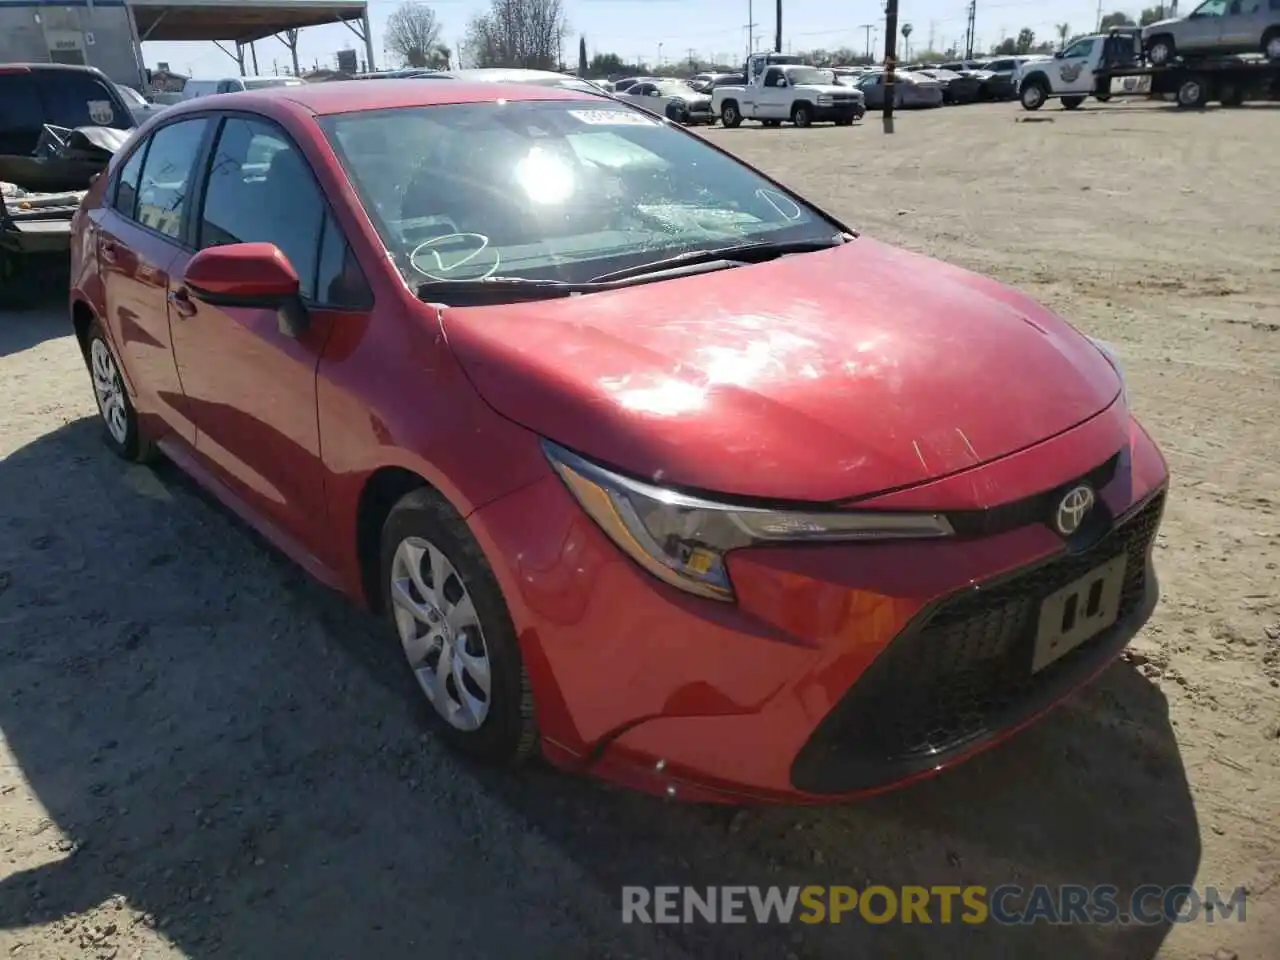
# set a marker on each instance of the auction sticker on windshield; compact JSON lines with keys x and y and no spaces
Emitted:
{"x":615,"y":118}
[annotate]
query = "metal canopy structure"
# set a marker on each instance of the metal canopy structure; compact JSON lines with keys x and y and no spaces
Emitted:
{"x":243,"y":22}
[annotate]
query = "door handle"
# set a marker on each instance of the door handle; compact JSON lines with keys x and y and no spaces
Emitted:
{"x":182,"y":303}
{"x":109,"y":251}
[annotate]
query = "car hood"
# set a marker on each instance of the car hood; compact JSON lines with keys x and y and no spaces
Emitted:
{"x":817,"y":377}
{"x":1151,"y":28}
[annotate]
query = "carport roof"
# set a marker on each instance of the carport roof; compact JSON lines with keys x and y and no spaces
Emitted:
{"x":241,"y":20}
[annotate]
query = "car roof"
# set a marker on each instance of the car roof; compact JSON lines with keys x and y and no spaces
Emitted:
{"x":32,"y":67}
{"x":352,"y":96}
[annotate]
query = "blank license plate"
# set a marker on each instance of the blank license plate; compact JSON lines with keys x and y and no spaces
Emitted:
{"x":1078,"y":611}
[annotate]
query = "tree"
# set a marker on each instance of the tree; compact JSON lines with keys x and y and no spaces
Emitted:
{"x":518,"y":33}
{"x":413,"y":36}
{"x":1064,"y":30}
{"x":1005,"y":48}
{"x":582,"y":56}
{"x":906,"y":39}
{"x":1117,"y":19}
{"x":1150,"y":15}
{"x":1026,"y":40}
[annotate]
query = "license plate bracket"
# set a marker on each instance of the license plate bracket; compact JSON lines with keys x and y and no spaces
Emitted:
{"x":1078,"y":612}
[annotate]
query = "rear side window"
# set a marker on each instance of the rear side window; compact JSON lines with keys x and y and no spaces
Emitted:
{"x":126,"y":198}
{"x":75,"y":99}
{"x":167,"y":175}
{"x":20,"y":114}
{"x":261,"y":190}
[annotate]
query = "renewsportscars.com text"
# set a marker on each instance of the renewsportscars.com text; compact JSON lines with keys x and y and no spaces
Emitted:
{"x":1149,"y":904}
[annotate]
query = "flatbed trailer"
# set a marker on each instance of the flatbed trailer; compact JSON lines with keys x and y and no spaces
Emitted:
{"x":1193,"y":83}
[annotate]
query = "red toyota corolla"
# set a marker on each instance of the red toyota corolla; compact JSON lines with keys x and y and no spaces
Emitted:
{"x":650,"y":465}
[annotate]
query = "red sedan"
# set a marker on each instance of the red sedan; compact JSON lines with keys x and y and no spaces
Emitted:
{"x":651,"y":465}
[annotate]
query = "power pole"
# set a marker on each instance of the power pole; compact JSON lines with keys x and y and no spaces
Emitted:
{"x":932,"y":32}
{"x":969,"y":31}
{"x":777,"y":30}
{"x":890,"y":54}
{"x":751,"y":28}
{"x":868,"y":27}
{"x":693,"y":59}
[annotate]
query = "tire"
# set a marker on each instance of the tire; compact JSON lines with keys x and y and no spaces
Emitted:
{"x":1193,"y":92}
{"x":425,"y":540}
{"x":1271,"y":44}
{"x":729,"y":115}
{"x":801,"y":114}
{"x":121,"y":429}
{"x":1034,"y":94}
{"x":1070,"y":103}
{"x":1161,"y":50}
{"x":771,"y":123}
{"x":1230,"y":95}
{"x":844,"y":121}
{"x":1103,"y":97}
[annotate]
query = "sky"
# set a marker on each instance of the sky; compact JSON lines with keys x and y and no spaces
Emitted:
{"x":647,"y":30}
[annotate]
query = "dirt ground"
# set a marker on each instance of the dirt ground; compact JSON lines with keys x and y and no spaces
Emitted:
{"x":206,"y":754}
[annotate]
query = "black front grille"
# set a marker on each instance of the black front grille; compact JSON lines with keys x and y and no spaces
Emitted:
{"x":962,"y":670}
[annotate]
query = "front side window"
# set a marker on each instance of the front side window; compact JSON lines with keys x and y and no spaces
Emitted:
{"x":1213,"y":8}
{"x":809,"y":75}
{"x":559,"y":189}
{"x":261,"y":190}
{"x":167,"y":175}
{"x":1081,"y":48}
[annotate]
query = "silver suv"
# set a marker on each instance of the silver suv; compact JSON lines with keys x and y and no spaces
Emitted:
{"x":1217,"y":27}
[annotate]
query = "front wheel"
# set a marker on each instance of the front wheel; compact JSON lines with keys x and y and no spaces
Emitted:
{"x":800,"y":115}
{"x":1070,"y":103}
{"x":119,"y":418}
{"x":445,"y":606}
{"x":1034,"y":94}
{"x":729,"y":115}
{"x":1271,"y":45}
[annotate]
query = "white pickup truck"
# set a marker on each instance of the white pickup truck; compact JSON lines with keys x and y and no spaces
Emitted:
{"x":786,"y":91}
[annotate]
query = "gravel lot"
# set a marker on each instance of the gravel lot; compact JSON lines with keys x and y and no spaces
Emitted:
{"x":205,"y":754}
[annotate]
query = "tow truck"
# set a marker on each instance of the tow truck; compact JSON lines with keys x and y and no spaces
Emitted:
{"x":781,"y":87}
{"x":1113,"y":64}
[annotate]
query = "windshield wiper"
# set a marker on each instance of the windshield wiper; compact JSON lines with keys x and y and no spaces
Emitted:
{"x":511,"y":289}
{"x":753,"y":252}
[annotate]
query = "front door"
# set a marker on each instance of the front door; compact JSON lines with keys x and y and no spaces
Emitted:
{"x":1075,"y":68}
{"x":774,"y":101}
{"x":138,"y":238}
{"x":250,"y":387}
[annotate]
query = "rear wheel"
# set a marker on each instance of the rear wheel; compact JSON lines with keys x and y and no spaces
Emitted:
{"x":1103,"y":97}
{"x":1193,"y":93}
{"x":801,"y":116}
{"x":1161,"y":50}
{"x":120,"y":420}
{"x":1231,"y":95}
{"x":1070,"y":103}
{"x":844,"y":121}
{"x":729,"y":115}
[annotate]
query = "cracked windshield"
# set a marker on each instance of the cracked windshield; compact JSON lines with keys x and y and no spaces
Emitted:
{"x":564,"y":190}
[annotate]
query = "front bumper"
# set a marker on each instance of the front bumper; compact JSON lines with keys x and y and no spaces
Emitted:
{"x":843,"y":669}
{"x":840,"y":111}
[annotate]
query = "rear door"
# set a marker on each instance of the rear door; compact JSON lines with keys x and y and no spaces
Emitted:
{"x":250,"y":387}
{"x":141,"y":231}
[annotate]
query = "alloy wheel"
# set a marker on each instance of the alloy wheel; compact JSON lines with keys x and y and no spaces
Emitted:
{"x":109,"y":391}
{"x":440,"y":633}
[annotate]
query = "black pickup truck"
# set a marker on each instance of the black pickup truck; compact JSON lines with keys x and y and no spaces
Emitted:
{"x":59,"y":126}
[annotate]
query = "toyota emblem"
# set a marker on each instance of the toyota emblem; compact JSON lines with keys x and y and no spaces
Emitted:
{"x":1072,"y":510}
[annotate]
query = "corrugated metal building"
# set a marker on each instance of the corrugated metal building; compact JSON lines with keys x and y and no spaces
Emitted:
{"x":99,"y":33}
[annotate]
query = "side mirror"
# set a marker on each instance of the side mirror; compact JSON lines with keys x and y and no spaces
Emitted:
{"x":255,"y":275}
{"x":782,"y":81}
{"x":1059,"y":54}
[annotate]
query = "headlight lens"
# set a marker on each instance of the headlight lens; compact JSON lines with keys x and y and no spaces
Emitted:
{"x":683,"y":540}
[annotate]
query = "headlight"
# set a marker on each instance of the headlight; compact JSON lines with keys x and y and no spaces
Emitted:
{"x":683,"y":540}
